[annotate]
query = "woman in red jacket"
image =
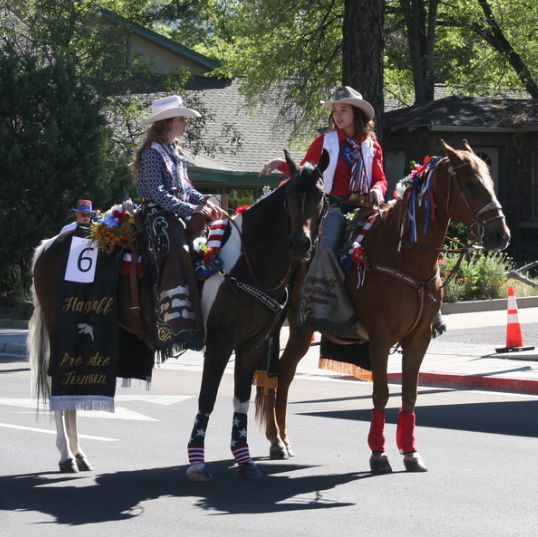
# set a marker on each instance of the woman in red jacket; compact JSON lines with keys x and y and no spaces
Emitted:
{"x":355,"y":176}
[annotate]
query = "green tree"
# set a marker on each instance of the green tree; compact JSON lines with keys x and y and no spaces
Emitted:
{"x":55,"y":147}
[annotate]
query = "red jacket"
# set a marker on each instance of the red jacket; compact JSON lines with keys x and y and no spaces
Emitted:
{"x":342,"y":174}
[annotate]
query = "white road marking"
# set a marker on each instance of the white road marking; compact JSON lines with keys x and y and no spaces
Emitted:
{"x":50,"y":431}
{"x":120,"y":412}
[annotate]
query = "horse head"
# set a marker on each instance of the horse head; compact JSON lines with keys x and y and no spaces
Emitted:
{"x":305,"y":203}
{"x":476,"y":205}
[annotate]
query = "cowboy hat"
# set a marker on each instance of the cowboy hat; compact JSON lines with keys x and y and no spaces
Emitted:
{"x":169,"y":107}
{"x":84,"y":205}
{"x":347,"y":95}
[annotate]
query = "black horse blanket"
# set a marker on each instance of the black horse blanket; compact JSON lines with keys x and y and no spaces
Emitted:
{"x":89,"y":351}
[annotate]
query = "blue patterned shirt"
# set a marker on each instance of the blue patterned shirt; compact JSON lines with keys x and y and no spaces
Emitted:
{"x":155,"y":184}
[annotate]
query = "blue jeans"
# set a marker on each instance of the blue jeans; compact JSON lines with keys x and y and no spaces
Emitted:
{"x":332,"y":229}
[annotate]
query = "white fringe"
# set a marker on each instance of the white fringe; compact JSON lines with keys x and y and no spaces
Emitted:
{"x":82,"y":402}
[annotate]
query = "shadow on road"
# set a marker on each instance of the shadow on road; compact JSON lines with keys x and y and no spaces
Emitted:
{"x":121,"y":495}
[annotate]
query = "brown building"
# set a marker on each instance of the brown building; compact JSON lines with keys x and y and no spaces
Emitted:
{"x":504,"y":132}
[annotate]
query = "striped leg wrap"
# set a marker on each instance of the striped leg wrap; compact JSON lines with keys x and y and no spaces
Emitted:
{"x":196,"y":442}
{"x":239,"y":444}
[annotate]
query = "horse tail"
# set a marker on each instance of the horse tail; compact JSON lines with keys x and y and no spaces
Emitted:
{"x":260,"y":415}
{"x":38,"y":341}
{"x":38,"y":345}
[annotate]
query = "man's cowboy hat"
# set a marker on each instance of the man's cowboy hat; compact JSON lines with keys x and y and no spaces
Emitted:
{"x":169,"y":107}
{"x":347,"y":95}
{"x":84,"y":205}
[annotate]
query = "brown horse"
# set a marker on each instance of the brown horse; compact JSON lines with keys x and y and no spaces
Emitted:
{"x":400,"y":295}
{"x":260,"y":250}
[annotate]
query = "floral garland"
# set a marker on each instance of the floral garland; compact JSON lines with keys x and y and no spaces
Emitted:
{"x":415,"y":190}
{"x":352,"y":251}
{"x":208,"y":261}
{"x":116,"y":229}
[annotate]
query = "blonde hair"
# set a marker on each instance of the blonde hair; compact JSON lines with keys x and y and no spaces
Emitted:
{"x":157,"y":132}
{"x":363,"y":126}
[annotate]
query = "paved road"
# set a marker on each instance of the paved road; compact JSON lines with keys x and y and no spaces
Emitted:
{"x":480,"y":448}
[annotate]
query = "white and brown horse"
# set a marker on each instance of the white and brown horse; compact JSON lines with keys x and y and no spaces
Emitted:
{"x":260,"y":251}
{"x":400,"y":295}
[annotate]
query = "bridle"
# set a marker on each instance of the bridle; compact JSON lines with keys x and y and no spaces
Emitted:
{"x":258,"y":290}
{"x":477,"y":225}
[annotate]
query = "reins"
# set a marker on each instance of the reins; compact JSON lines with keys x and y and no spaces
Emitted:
{"x":476,"y":228}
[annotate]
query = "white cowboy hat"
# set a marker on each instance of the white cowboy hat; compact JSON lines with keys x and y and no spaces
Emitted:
{"x":347,"y":95}
{"x":169,"y":107}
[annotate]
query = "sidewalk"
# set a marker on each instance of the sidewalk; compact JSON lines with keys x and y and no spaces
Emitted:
{"x":453,"y":360}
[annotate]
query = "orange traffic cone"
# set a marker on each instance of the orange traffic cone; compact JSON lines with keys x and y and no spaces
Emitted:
{"x":514,"y":337}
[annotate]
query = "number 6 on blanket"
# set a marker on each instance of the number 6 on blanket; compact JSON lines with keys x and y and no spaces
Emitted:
{"x":82,"y":261}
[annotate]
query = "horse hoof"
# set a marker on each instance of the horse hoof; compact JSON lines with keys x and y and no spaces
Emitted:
{"x":379,"y":464}
{"x":413,"y":463}
{"x":249,"y":470}
{"x":279,"y":453}
{"x":83,"y":464}
{"x":69,"y":466}
{"x":198,"y":473}
{"x":290,"y":452}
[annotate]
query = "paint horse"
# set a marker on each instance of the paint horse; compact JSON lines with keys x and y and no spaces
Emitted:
{"x":397,"y":292}
{"x":260,"y":250}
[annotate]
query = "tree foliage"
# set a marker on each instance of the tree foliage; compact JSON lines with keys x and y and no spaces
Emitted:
{"x":54,"y":148}
{"x":469,"y":47}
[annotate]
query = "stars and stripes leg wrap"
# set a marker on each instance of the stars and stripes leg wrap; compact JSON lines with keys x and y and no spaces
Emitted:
{"x":196,"y":442}
{"x":239,"y":444}
{"x":376,"y":436}
{"x":405,"y":432}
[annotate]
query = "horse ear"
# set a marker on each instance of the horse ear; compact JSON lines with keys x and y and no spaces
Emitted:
{"x":323,"y":161}
{"x":448,"y":150}
{"x":467,"y":146}
{"x":291,"y":165}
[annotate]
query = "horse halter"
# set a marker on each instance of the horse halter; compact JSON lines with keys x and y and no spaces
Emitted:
{"x":477,"y":225}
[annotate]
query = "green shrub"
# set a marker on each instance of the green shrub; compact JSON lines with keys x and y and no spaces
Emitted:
{"x":481,"y":276}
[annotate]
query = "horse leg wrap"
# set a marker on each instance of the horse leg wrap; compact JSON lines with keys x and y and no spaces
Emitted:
{"x":376,"y":436}
{"x":405,"y":432}
{"x":196,"y":442}
{"x":239,"y":444}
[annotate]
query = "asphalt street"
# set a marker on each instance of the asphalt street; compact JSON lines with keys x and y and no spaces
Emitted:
{"x":479,"y":445}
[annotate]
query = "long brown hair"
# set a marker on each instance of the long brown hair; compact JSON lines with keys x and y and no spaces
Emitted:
{"x":157,"y":132}
{"x":363,"y":126}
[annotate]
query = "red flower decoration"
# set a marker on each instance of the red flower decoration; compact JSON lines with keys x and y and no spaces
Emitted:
{"x":357,"y":256}
{"x":242,"y":209}
{"x":209,"y":254}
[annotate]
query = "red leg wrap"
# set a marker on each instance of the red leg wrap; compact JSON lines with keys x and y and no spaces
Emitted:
{"x":376,"y":436}
{"x":405,"y":433}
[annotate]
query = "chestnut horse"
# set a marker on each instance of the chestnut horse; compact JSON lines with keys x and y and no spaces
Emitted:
{"x":399,"y":296}
{"x":260,"y":250}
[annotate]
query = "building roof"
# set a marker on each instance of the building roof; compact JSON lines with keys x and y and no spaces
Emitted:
{"x":467,"y":113}
{"x":260,"y":138}
{"x":159,"y":40}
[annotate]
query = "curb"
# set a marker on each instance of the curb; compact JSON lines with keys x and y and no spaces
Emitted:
{"x":473,"y":382}
{"x":495,"y":304}
{"x":13,"y":348}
